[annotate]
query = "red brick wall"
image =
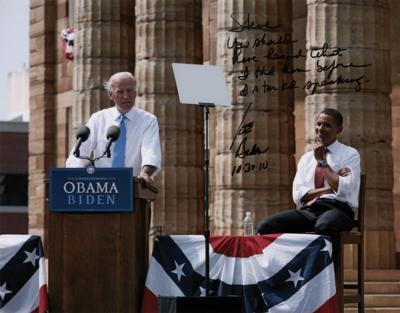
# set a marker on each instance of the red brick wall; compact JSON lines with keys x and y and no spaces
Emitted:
{"x":13,"y":223}
{"x":14,"y":153}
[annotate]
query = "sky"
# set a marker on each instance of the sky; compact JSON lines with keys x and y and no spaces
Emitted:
{"x":14,"y":49}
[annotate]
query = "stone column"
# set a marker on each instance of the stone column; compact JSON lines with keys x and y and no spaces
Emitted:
{"x":254,"y":144}
{"x":168,"y":32}
{"x":299,"y":35}
{"x":210,"y":19}
{"x":348,"y":58}
{"x":42,"y":113}
{"x":394,"y":7}
{"x":103,"y":46}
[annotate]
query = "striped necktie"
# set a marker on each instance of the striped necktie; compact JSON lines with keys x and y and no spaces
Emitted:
{"x":119,"y":147}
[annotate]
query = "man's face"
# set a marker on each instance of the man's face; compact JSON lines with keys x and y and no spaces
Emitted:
{"x":123,"y":94}
{"x":326,"y":129}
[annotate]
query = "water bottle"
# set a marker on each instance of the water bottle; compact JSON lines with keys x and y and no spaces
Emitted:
{"x":248,"y":224}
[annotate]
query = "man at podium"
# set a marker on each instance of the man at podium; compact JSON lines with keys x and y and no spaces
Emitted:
{"x":138,"y":145}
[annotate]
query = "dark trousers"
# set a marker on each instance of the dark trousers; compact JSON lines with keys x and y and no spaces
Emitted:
{"x":325,"y":217}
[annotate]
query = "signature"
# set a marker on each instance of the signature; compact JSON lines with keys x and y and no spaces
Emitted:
{"x":243,"y":149}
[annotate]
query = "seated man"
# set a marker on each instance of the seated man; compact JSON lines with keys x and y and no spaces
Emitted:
{"x":325,"y":187}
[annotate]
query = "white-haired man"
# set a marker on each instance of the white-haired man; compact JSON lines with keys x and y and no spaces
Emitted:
{"x":140,"y":135}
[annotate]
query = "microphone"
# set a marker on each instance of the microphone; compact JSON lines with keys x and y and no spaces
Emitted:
{"x":81,"y":135}
{"x":112,"y":135}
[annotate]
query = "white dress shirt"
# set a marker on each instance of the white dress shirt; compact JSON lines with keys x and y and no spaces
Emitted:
{"x":142,"y":140}
{"x":338,"y":156}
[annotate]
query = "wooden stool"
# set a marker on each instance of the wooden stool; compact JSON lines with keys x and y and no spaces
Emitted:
{"x":353,"y":237}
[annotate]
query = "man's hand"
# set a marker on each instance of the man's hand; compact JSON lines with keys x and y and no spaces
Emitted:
{"x":146,"y":174}
{"x":345,"y":171}
{"x":314,"y":194}
{"x":319,"y":149}
{"x":147,"y":178}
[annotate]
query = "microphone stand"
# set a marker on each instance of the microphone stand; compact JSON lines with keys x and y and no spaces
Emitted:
{"x":206,"y":168}
{"x":92,"y":161}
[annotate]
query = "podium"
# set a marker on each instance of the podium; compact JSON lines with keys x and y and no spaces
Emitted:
{"x":98,"y":260}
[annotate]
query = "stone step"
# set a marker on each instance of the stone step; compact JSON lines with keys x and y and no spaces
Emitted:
{"x":374,"y":275}
{"x":382,"y":291}
{"x":392,"y":287}
{"x":384,"y":300}
{"x":373,"y":310}
{"x":379,"y":287}
{"x":377,"y":300}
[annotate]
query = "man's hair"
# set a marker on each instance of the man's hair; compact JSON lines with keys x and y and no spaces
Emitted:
{"x":336,"y":115}
{"x":108,"y":85}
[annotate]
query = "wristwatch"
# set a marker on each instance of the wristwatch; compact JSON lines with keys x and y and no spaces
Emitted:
{"x":323,"y":163}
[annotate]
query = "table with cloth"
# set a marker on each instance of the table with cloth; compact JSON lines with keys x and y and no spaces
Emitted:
{"x":273,"y":273}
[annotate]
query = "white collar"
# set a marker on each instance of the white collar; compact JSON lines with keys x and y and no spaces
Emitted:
{"x":129,"y":115}
{"x":334,"y":146}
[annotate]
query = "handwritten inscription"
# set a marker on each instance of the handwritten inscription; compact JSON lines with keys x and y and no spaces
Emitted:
{"x":250,"y":167}
{"x":266,"y":64}
{"x":282,"y":40}
{"x":340,"y":80}
{"x":329,"y":70}
{"x":251,"y":25}
{"x":326,"y":52}
{"x":243,"y":151}
{"x":243,"y":53}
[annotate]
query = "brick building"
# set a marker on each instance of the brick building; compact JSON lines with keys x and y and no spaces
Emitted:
{"x":14,"y":178}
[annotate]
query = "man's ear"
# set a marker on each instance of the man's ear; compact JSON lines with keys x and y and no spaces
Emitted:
{"x":110,"y":95}
{"x":340,"y":128}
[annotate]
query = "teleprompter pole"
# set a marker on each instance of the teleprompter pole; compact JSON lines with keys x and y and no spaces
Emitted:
{"x":206,"y":169}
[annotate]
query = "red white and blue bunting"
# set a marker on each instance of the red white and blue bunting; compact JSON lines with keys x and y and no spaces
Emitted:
{"x":23,"y":286}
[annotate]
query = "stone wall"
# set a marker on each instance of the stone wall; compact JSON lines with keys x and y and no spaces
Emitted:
{"x":169,"y":32}
{"x":394,"y":7}
{"x":299,"y":9}
{"x":254,"y":143}
{"x":42,"y":113}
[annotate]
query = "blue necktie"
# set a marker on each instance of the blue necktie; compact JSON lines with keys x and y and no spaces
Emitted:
{"x":119,"y":146}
